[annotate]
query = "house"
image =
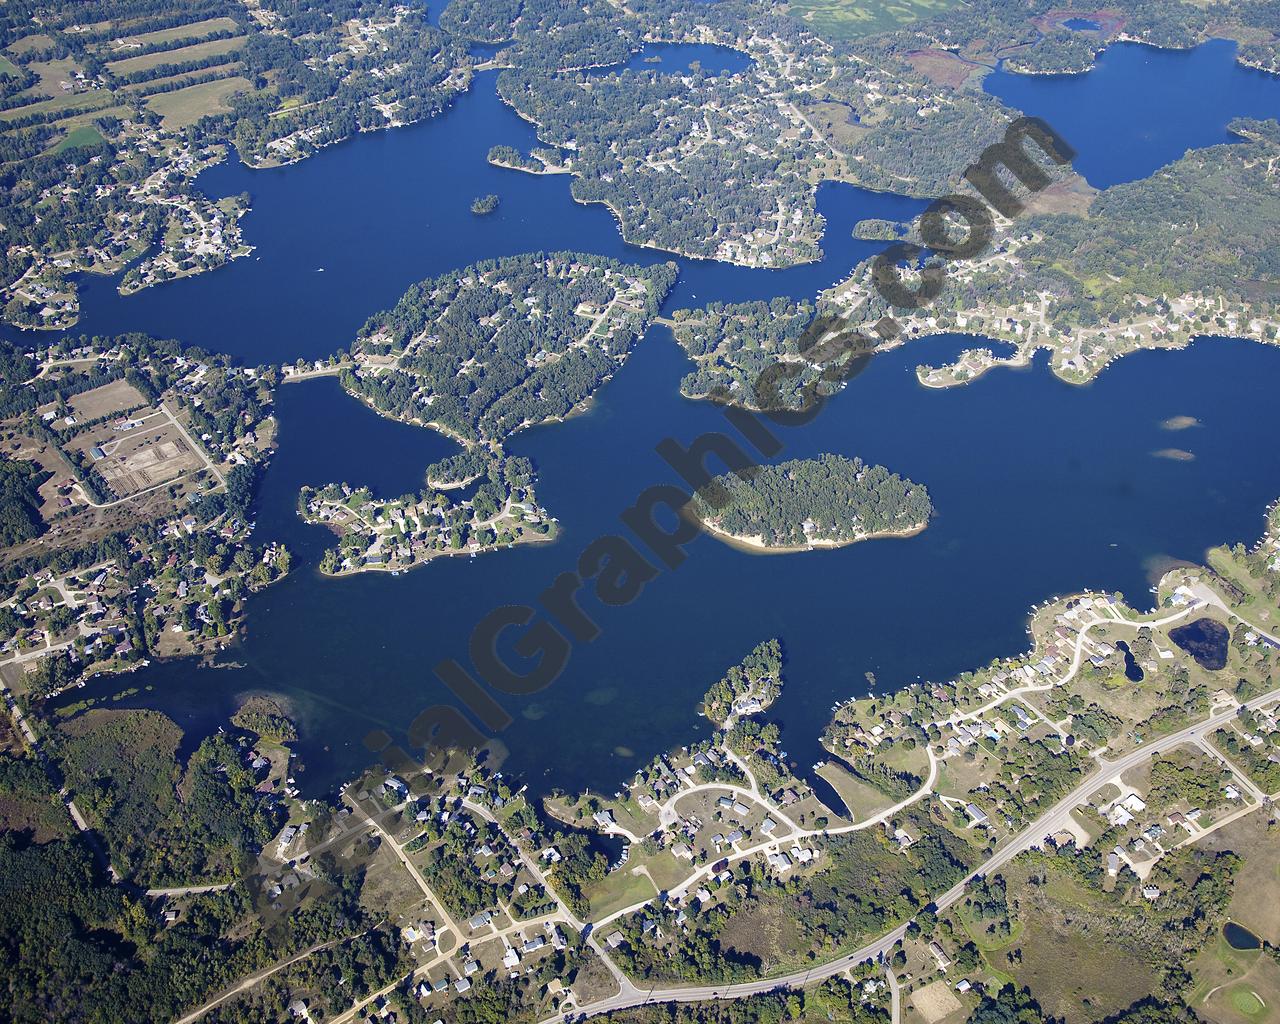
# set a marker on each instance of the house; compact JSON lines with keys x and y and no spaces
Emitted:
{"x":286,"y":837}
{"x":462,"y":985}
{"x":481,"y":920}
{"x":977,"y":816}
{"x":1151,"y":892}
{"x":511,"y":959}
{"x":779,"y":861}
{"x":395,"y":787}
{"x":940,"y":955}
{"x":767,"y":826}
{"x":614,"y":940}
{"x":1113,"y":864}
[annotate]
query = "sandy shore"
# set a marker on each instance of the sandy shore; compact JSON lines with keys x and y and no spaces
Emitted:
{"x":756,"y":545}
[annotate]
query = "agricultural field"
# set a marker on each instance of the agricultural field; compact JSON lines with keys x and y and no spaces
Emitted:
{"x":184,"y":107}
{"x":116,"y":397}
{"x":191,"y":31}
{"x":186,"y":54}
{"x":151,"y":453}
{"x":853,"y":19}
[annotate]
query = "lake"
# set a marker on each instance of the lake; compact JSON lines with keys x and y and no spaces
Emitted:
{"x":1040,"y":488}
{"x":1140,"y":108}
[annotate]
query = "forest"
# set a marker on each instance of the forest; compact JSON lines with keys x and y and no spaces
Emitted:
{"x":163,"y":822}
{"x":830,"y":499}
{"x":19,"y":502}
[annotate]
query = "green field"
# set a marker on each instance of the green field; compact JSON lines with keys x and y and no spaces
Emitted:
{"x":186,"y":106}
{"x":85,"y":135}
{"x":853,"y":19}
{"x":191,"y":30}
{"x":183,"y":55}
{"x":8,"y":68}
{"x":69,"y":102}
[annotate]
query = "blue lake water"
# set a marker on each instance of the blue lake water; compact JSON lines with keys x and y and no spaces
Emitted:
{"x":1040,"y":487}
{"x":1141,"y":108}
{"x":678,"y":58}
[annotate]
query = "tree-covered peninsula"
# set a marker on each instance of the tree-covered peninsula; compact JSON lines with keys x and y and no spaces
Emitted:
{"x":479,"y":353}
{"x":829,"y":501}
{"x":748,"y":687}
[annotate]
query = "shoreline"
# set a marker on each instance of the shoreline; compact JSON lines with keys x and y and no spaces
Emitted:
{"x":756,"y":546}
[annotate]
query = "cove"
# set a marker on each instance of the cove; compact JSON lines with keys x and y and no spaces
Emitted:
{"x":343,"y":234}
{"x":679,"y":58}
{"x":1140,"y":108}
{"x":1030,"y":503}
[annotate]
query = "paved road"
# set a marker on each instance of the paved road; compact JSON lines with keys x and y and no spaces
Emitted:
{"x":1033,"y":835}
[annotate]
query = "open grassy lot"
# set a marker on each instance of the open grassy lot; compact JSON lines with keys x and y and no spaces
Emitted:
{"x":183,"y":55}
{"x":617,"y":890}
{"x":1064,"y":923}
{"x":157,"y":85}
{"x":8,"y":67}
{"x":68,"y":102}
{"x":106,"y":400}
{"x":85,"y":135}
{"x":1261,"y":608}
{"x":853,"y":19}
{"x":861,"y":799}
{"x":186,"y":106}
{"x":191,"y":30}
{"x":52,"y":75}
{"x":28,"y":44}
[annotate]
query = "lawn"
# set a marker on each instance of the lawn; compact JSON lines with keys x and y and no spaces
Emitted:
{"x":861,"y":800}
{"x":1235,"y":989}
{"x":853,"y":19}
{"x":618,"y":890}
{"x":186,"y":106}
{"x":8,"y":67}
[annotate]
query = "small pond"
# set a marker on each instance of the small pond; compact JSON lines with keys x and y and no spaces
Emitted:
{"x":1240,"y":938}
{"x":1205,"y":640}
{"x":1132,"y":670}
{"x":1082,"y":25}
